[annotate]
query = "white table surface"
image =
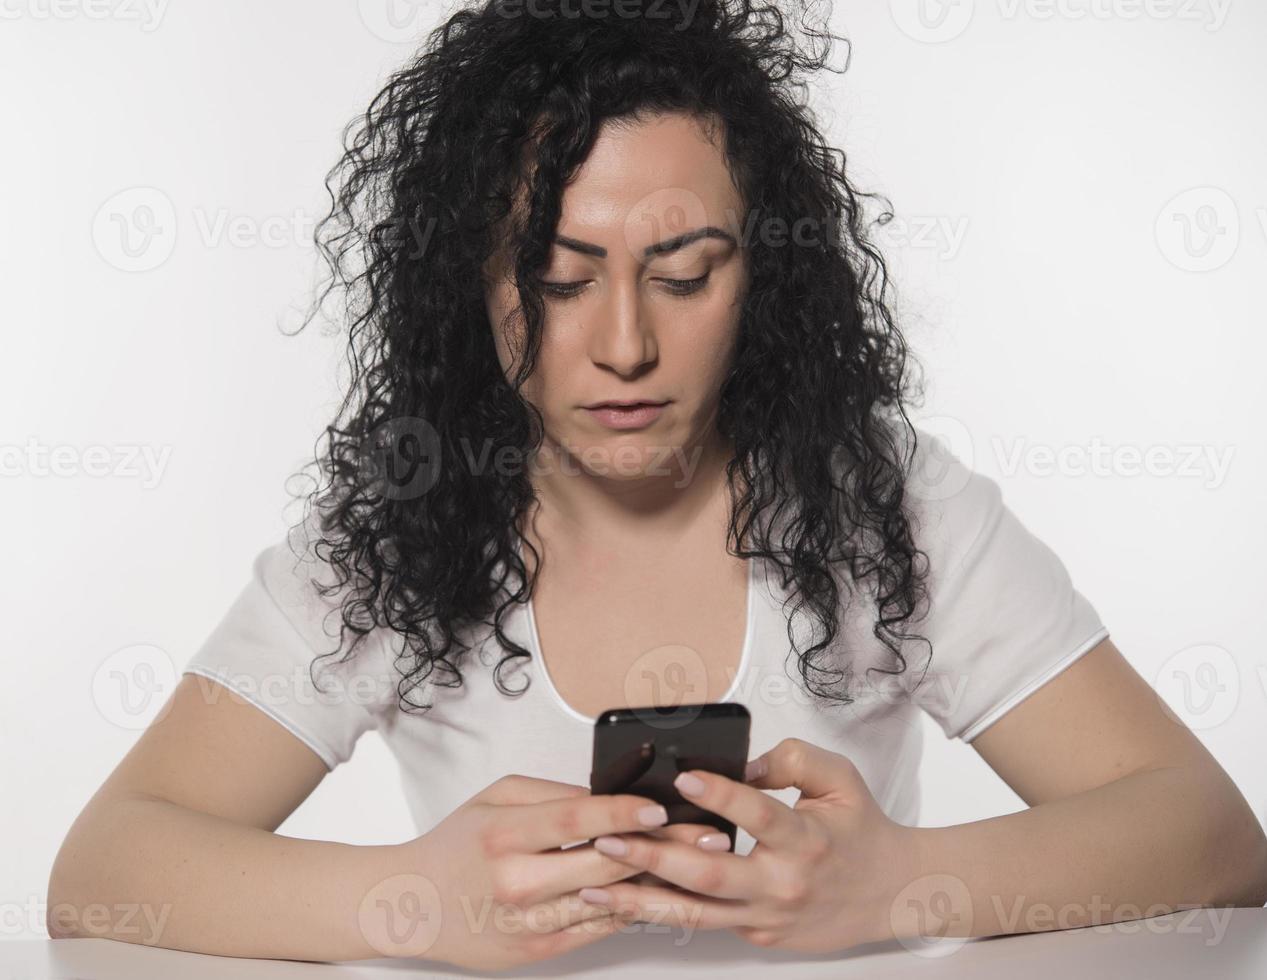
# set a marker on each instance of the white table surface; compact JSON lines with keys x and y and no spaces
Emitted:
{"x":1230,"y":944}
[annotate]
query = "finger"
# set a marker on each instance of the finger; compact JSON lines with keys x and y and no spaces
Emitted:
{"x":547,"y":875}
{"x":652,"y":903}
{"x":687,"y":833}
{"x":720,"y":874}
{"x":561,"y":912}
{"x":576,"y":936}
{"x":527,"y":919}
{"x":553,"y":823}
{"x":770,"y":821}
{"x":645,"y":878}
{"x":815,"y":771}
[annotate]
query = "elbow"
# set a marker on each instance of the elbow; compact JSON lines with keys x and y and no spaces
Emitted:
{"x":1255,"y":891}
{"x":59,"y":920}
{"x":64,"y":897}
{"x":1252,"y":892}
{"x":59,"y":924}
{"x":1242,"y":853}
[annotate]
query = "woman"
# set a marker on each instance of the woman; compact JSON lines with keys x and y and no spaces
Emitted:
{"x":627,"y":426}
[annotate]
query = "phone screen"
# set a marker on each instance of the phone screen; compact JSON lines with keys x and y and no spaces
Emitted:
{"x":641,"y":751}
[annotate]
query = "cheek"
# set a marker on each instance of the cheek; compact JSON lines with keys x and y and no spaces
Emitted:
{"x":509,"y":343}
{"x":559,"y":359}
{"x":705,"y":337}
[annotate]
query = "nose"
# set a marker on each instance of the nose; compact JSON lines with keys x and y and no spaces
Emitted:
{"x":622,"y":338}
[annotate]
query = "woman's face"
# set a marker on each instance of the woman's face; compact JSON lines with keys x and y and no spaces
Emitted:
{"x":645,"y":281}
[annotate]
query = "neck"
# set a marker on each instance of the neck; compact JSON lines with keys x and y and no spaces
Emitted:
{"x":662,"y":505}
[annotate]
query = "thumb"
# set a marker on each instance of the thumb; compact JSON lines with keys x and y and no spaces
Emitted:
{"x":815,"y":771}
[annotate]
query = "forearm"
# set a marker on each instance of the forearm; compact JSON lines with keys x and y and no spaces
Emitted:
{"x":1143,"y":845}
{"x":151,"y":872}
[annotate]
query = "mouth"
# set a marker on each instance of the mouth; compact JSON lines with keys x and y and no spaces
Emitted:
{"x":623,"y":404}
{"x":623,"y":415}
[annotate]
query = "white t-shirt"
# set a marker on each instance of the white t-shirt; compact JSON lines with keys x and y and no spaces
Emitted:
{"x":1004,"y":619}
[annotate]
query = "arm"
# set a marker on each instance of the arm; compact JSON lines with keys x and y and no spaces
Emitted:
{"x":1130,"y":816}
{"x":177,"y":848}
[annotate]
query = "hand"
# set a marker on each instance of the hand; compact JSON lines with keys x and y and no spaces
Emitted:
{"x":821,"y":877}
{"x":499,"y":886}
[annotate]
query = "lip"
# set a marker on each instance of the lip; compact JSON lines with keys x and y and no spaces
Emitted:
{"x":625,"y":415}
{"x":633,"y":403}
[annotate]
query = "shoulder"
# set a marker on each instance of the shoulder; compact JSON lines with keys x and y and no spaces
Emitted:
{"x":290,"y":572}
{"x":953,"y":508}
{"x":269,"y":647}
{"x":1003,"y":612}
{"x":310,"y":593}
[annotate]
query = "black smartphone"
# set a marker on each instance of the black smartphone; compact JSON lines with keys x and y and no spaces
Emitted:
{"x":641,"y":751}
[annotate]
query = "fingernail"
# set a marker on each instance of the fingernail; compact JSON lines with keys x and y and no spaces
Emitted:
{"x":653,"y":816}
{"x":596,"y":896}
{"x":611,"y":846}
{"x":714,"y":842}
{"x":689,"y":784}
{"x":755,"y":769}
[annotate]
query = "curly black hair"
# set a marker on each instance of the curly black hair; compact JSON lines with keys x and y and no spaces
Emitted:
{"x":814,"y":401}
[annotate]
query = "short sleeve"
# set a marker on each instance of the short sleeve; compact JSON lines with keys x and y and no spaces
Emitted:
{"x":1003,"y":615}
{"x":266,"y":642}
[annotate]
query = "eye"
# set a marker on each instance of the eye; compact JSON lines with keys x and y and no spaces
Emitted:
{"x":676,"y":287}
{"x":686,"y":287}
{"x":563,"y":290}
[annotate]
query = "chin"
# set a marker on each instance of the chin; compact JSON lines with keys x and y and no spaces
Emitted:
{"x":618,"y":455}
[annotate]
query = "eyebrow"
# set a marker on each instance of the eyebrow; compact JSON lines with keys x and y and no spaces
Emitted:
{"x":660,"y":248}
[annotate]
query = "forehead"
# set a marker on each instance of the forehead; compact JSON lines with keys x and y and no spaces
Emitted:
{"x":647,"y":180}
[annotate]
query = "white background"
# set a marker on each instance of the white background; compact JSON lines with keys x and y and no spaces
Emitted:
{"x":1041,"y":159}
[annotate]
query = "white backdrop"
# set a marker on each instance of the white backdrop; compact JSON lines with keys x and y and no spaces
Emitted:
{"x":1079,"y":251}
